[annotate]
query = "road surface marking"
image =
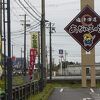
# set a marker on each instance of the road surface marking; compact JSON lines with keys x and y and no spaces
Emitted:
{"x":91,"y":90}
{"x":87,"y":98}
{"x":61,"y":90}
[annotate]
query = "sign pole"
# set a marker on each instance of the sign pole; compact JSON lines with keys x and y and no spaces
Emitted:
{"x":88,"y":58}
{"x":84,"y":28}
{"x":61,"y":67}
{"x":61,"y":55}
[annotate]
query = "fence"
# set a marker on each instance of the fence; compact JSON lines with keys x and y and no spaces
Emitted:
{"x":24,"y":91}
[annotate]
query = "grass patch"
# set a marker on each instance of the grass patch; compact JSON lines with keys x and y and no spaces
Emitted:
{"x":49,"y":88}
{"x":2,"y":84}
{"x":18,"y":80}
{"x":43,"y":95}
{"x":98,"y":85}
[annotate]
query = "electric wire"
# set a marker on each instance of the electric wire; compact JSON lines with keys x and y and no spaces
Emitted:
{"x":21,"y":34}
{"x":24,"y":10}
{"x":32,"y":9}
{"x":14,"y":11}
{"x":22,"y":30}
{"x":18,"y":44}
{"x":30,"y":28}
{"x":28,"y":11}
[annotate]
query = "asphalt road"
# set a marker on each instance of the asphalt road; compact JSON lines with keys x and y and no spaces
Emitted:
{"x":75,"y":94}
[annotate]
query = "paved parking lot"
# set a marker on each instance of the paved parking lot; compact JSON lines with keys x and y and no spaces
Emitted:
{"x":75,"y":94}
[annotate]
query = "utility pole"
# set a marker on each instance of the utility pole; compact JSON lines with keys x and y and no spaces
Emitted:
{"x":25,"y":45}
{"x":25,"y":25}
{"x":39,"y":49}
{"x":0,"y":32}
{"x":21,"y":57}
{"x":51,"y":29}
{"x":4,"y":47}
{"x":43,"y":46}
{"x":9,"y":62}
{"x":65,"y":61}
{"x":12,"y":50}
{"x":27,"y":58}
{"x":50,"y":53}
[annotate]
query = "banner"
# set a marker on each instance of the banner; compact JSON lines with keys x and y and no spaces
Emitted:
{"x":33,"y":53}
{"x":34,"y":40}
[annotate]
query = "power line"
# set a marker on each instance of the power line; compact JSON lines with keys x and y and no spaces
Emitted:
{"x":28,"y":11}
{"x":23,"y":9}
{"x":32,"y":9}
{"x":14,"y":11}
{"x":32,"y":26}
{"x":18,"y":44}
{"x":27,"y":31}
{"x":14,"y":16}
{"x":61,"y":4}
{"x":61,"y":35}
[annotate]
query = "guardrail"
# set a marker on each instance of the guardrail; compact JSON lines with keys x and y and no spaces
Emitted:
{"x":24,"y":91}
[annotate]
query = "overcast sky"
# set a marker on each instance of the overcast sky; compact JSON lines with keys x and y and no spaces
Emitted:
{"x":60,"y":12}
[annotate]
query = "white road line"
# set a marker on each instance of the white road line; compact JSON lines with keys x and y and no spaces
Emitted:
{"x":84,"y":98}
{"x":91,"y":90}
{"x":61,"y":90}
{"x":87,"y":98}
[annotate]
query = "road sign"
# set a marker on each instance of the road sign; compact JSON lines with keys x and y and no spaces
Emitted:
{"x":60,"y":51}
{"x":85,"y":28}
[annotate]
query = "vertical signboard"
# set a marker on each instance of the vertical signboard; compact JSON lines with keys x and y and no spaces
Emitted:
{"x":33,"y":53}
{"x":34,"y":40}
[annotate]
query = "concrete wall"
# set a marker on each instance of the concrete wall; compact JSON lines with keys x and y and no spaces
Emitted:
{"x":77,"y":70}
